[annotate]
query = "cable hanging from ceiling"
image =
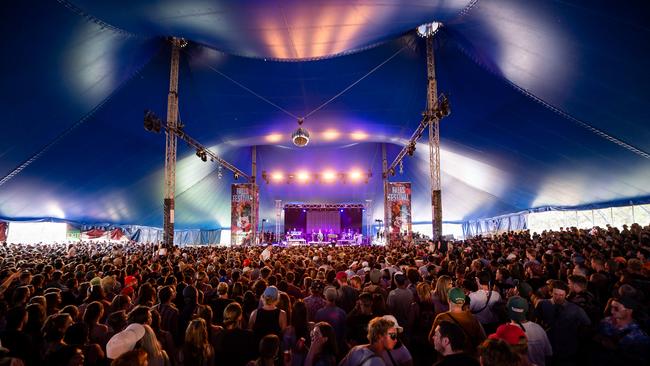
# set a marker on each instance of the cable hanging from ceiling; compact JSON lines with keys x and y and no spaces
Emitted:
{"x":292,"y":115}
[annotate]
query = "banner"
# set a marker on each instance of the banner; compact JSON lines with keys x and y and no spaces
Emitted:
{"x":3,"y":230}
{"x":244,"y":213}
{"x":398,"y":198}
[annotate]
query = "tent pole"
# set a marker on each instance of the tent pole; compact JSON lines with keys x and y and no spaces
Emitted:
{"x":434,"y":144}
{"x":170,"y":147}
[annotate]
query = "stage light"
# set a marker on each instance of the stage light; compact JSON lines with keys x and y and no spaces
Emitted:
{"x":355,"y":175}
{"x":410,"y":150}
{"x":302,"y":176}
{"x":236,"y":176}
{"x":401,"y":167}
{"x":428,"y":29}
{"x":329,"y":176}
{"x":331,"y":134}
{"x":273,"y":137}
{"x":358,"y":135}
{"x":341,"y":210}
{"x":220,"y":172}
{"x":303,"y":210}
{"x":277,"y":176}
{"x":151,"y":122}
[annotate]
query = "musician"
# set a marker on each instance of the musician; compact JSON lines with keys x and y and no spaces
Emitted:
{"x":320,"y":235}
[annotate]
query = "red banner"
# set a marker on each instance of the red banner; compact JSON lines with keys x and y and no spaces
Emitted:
{"x":398,"y":198}
{"x":244,"y":209}
{"x":3,"y":231}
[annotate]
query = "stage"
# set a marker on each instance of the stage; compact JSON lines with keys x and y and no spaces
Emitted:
{"x":318,"y":224}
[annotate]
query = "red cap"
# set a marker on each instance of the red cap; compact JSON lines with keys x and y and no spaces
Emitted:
{"x":130,"y":281}
{"x":341,"y":276}
{"x":247,"y":262}
{"x":510,"y":333}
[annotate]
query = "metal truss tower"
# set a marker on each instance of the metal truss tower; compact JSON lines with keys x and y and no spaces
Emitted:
{"x":170,"y":147}
{"x":434,"y":143}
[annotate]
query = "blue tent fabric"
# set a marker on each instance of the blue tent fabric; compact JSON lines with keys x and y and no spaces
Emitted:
{"x":548,"y":105}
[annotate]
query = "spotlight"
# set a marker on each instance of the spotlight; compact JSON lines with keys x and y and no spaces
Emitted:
{"x":300,"y":137}
{"x":411,"y":148}
{"x":443,"y":109}
{"x":341,"y":210}
{"x":428,"y":29}
{"x":151,"y":122}
{"x":219,"y":172}
{"x":302,"y":176}
{"x":276,"y":176}
{"x":401,"y":167}
{"x":236,"y":176}
{"x":355,"y":175}
{"x":392,"y":172}
{"x":329,"y":176}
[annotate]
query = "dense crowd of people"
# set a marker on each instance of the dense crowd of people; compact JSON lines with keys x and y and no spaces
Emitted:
{"x":568,"y":297}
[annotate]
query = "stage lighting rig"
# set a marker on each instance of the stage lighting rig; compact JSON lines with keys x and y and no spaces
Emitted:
{"x":326,"y":177}
{"x":153,"y":124}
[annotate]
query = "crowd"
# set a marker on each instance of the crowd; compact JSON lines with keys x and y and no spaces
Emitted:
{"x":568,"y":297}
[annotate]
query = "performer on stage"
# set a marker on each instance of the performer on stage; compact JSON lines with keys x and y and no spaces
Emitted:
{"x":320,"y":235}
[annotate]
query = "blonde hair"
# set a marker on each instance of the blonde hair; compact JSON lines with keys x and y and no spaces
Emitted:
{"x":423,"y":290}
{"x":150,"y":343}
{"x":196,"y":338}
{"x":442,"y":288}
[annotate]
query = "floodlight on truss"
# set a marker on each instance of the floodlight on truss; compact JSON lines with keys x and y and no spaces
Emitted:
{"x":428,"y":29}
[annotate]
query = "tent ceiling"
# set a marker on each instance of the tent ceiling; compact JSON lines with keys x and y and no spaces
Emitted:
{"x":549,"y":106}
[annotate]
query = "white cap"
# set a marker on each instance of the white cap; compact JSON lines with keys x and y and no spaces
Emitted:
{"x":392,"y":319}
{"x":124,"y":341}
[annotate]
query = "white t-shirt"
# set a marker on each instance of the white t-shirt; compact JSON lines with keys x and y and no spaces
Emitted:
{"x":477,"y":302}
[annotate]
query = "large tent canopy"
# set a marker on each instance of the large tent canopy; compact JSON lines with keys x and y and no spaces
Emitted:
{"x":549,"y":103}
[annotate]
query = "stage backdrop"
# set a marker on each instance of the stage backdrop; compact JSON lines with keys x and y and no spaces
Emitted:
{"x":324,"y":221}
{"x":244,"y":209}
{"x":399,"y":209}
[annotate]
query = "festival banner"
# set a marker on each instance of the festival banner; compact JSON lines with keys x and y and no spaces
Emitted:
{"x":244,"y":211}
{"x":398,"y":198}
{"x":3,"y":230}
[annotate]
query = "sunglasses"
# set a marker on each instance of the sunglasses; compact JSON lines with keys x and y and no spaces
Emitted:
{"x":393,"y":336}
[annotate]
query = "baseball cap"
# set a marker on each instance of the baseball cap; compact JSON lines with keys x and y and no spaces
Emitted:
{"x":456,"y":295}
{"x":341,"y":276}
{"x":509,"y":333}
{"x":124,"y":341}
{"x":391,"y":318}
{"x":271,"y":293}
{"x":517,"y":308}
{"x":400,"y":278}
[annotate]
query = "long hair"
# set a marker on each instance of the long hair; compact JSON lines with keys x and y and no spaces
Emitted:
{"x":284,"y":303}
{"x":299,"y":320}
{"x":150,"y":343}
{"x":330,"y":347}
{"x":196,"y":349}
{"x":423,"y":290}
{"x":442,"y":288}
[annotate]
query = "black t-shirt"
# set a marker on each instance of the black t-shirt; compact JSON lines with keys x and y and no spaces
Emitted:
{"x":218,"y":305}
{"x":235,"y":347}
{"x":458,"y":359}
